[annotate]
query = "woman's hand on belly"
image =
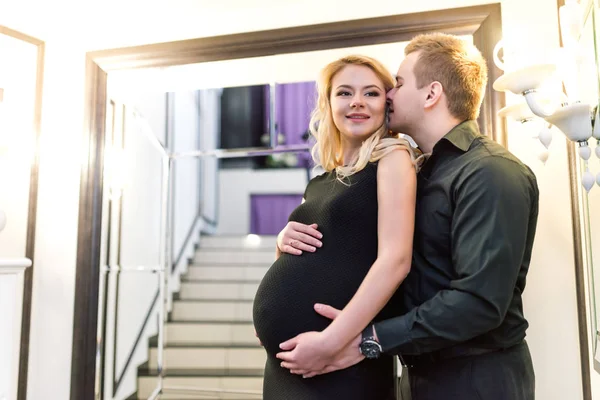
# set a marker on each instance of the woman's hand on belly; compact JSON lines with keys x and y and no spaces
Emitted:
{"x":309,"y":351}
{"x":296,"y":238}
{"x":310,"y":354}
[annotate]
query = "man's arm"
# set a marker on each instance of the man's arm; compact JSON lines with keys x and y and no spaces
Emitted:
{"x":490,"y":227}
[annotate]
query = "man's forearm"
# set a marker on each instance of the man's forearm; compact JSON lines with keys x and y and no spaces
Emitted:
{"x":449,"y":318}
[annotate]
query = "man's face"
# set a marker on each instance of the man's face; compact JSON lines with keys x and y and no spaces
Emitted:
{"x":406,"y":100}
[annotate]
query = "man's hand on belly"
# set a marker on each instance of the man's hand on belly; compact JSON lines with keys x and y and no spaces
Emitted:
{"x":310,"y":353}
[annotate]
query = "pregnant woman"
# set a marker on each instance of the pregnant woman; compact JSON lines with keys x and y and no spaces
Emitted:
{"x":363,"y":205}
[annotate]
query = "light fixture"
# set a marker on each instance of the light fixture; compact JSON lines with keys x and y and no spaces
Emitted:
{"x":578,"y":121}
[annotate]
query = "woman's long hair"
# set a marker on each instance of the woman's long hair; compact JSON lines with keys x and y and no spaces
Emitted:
{"x":327,"y":151}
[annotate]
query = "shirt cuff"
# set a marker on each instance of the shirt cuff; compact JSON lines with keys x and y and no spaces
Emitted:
{"x":394,"y":335}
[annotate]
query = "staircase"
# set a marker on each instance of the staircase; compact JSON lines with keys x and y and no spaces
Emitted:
{"x":210,"y":335}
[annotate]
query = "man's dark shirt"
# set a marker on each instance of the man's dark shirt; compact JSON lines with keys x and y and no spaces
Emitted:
{"x":476,"y":214}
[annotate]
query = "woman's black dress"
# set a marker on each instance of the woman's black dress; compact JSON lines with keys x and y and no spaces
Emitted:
{"x":283,"y":306}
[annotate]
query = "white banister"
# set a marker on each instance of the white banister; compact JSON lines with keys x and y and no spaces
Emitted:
{"x":11,"y":302}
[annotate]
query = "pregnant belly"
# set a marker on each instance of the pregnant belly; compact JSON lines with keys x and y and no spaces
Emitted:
{"x":283,"y":306}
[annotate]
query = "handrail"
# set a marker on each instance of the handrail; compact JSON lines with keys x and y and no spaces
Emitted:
{"x":242,"y":152}
{"x":136,"y":268}
{"x":152,"y":269}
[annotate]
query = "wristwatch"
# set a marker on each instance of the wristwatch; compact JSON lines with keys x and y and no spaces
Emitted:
{"x":369,"y":347}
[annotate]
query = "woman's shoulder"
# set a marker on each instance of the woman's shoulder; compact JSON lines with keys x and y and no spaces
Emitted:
{"x":397,"y":160}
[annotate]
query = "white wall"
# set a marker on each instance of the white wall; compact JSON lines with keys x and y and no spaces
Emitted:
{"x":18,"y":64}
{"x":550,"y":295}
{"x":237,"y":185}
{"x":187,"y":170}
{"x":187,"y":179}
{"x":209,"y":113}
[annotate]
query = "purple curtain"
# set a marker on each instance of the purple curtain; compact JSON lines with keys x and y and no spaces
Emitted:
{"x":269,"y":213}
{"x":294,"y":103}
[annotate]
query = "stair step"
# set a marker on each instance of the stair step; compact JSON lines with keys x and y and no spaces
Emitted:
{"x":238,"y":242}
{"x":193,"y":264}
{"x":196,"y":311}
{"x":209,"y":290}
{"x":233,"y":273}
{"x":210,"y":334}
{"x":191,"y":358}
{"x":242,"y":383}
{"x":203,"y":372}
{"x":226,"y":281}
{"x":261,"y":258}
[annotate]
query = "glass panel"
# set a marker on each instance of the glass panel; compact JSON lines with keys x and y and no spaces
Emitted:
{"x":131,"y":254}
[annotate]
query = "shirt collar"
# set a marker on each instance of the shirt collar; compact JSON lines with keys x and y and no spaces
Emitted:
{"x":462,"y":135}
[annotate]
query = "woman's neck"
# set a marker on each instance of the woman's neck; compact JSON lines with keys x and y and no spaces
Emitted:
{"x":350,"y":153}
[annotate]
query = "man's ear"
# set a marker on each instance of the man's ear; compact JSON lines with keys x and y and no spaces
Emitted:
{"x":434,"y":94}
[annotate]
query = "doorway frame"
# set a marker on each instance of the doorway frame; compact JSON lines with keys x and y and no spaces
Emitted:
{"x":483,"y":22}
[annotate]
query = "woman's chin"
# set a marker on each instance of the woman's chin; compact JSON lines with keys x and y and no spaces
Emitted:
{"x":359,"y":133}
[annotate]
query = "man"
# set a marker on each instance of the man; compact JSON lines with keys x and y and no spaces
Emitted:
{"x":462,"y":333}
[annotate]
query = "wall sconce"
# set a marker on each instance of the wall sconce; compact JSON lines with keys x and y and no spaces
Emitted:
{"x":578,"y":121}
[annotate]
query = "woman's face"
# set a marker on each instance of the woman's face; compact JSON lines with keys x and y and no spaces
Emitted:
{"x":358,"y":103}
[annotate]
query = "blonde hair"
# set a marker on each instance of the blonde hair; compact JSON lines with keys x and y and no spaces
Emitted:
{"x":327,"y":152}
{"x":457,"y":65}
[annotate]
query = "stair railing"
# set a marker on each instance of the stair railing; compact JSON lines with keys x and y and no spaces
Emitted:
{"x":163,"y":270}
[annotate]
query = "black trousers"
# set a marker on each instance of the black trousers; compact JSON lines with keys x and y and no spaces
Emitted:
{"x":499,"y":375}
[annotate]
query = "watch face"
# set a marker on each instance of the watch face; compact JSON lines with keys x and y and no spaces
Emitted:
{"x":370,"y":349}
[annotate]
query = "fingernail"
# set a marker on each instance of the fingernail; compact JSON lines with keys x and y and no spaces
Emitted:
{"x":312,"y":249}
{"x":320,"y":236}
{"x":319,"y":244}
{"x":318,"y":306}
